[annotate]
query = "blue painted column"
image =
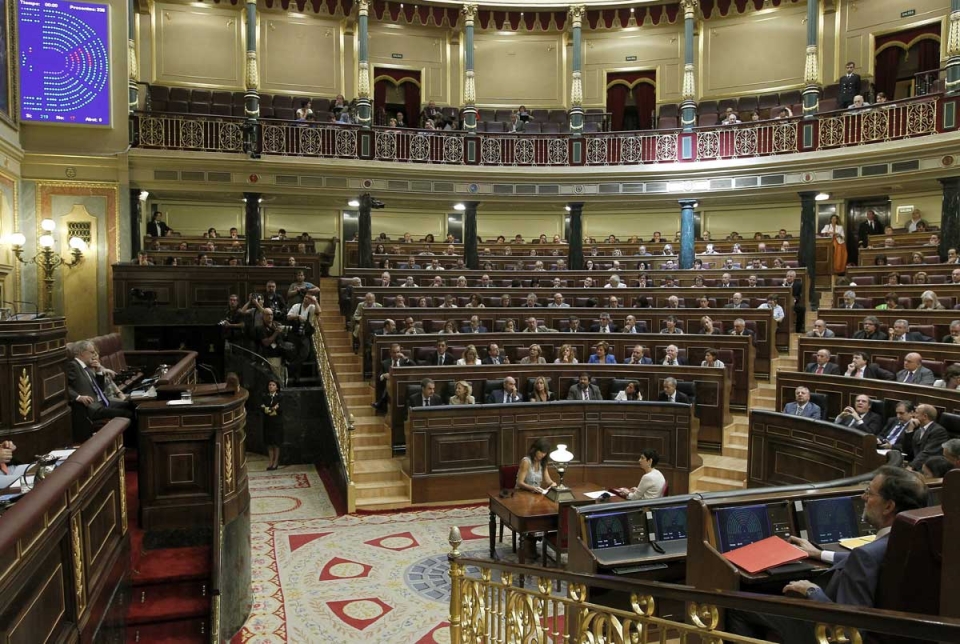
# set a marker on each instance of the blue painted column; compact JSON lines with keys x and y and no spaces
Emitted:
{"x":811,"y":68}
{"x":364,"y":106}
{"x":687,"y":249}
{"x":251,"y":98}
{"x":688,"y":107}
{"x":953,"y":49}
{"x":133,"y":67}
{"x":469,"y":112}
{"x":576,"y":86}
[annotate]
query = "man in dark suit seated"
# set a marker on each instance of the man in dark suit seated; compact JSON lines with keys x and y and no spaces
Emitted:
{"x":923,"y":438}
{"x":574,"y":325}
{"x":427,"y":396}
{"x":604,"y":325}
{"x":854,"y":575}
{"x":736,"y":302}
{"x":822,"y":365}
{"x":396,"y":359}
{"x":860,"y":417}
{"x":914,"y":373}
{"x":896,"y":426}
{"x":820,"y":330}
{"x":83,"y":388}
{"x":672,"y":357}
{"x":493,"y":355}
{"x":507,"y":395}
{"x":637,"y":356}
{"x":850,"y":301}
{"x":901,"y":333}
{"x":583,"y":390}
{"x":954,"y":336}
{"x":861,"y":367}
{"x":670,"y":393}
{"x":803,"y":406}
{"x":740,"y":328}
{"x":441,"y":357}
{"x":474,"y":326}
{"x":871,"y":330}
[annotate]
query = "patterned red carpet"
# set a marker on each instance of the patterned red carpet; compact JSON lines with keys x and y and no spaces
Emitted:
{"x":355,"y":578}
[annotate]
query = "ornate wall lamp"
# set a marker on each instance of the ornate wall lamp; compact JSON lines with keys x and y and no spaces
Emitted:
{"x":47,"y":259}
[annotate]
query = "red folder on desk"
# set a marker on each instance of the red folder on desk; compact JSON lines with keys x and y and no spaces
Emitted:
{"x":767,"y":553}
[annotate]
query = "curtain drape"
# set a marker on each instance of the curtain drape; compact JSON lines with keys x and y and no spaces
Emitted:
{"x":411,"y":95}
{"x":645,"y":97}
{"x":616,"y":100}
{"x":380,"y":101}
{"x":888,"y":68}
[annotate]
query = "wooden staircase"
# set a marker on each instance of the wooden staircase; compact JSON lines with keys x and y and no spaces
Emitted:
{"x":379,"y":482}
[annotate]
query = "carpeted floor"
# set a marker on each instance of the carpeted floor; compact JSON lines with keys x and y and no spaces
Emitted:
{"x":354,"y":578}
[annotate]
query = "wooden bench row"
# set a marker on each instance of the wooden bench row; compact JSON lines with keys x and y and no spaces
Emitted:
{"x":871,"y":296}
{"x":888,"y":355}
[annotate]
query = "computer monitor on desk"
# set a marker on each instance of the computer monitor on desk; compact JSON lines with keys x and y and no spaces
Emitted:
{"x":827,"y":521}
{"x":741,"y":525}
{"x":671,"y":523}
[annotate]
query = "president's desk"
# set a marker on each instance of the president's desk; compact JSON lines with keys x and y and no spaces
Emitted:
{"x":65,"y":549}
{"x":456,"y":452}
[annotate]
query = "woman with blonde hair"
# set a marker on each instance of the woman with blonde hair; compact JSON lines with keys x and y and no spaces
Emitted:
{"x":929,"y":302}
{"x":535,"y":356}
{"x":566,"y":355}
{"x":541,"y":391}
{"x":470,"y":357}
{"x":463,"y":394}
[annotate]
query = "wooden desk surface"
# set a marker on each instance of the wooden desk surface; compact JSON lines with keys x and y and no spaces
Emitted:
{"x":529,"y":505}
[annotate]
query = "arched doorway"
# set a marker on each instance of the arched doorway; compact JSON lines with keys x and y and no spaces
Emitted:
{"x":631,"y":99}
{"x":900,"y":56}
{"x":396,"y":90}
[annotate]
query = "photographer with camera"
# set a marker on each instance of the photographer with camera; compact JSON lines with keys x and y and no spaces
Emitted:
{"x":270,"y":343}
{"x":273,"y":300}
{"x":233,"y":323}
{"x":300,"y":321}
{"x":300,"y":288}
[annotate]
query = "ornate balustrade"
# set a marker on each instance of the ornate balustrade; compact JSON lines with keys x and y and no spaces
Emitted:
{"x":919,"y":117}
{"x":340,"y":417}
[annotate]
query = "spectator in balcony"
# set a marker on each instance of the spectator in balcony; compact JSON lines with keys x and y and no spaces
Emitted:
{"x":754,"y":116}
{"x":929,"y":302}
{"x":523,"y":114}
{"x":880,"y":98}
{"x":858,"y":103}
{"x":784,"y":113}
{"x":916,"y":222}
{"x":430,"y":113}
{"x":850,"y":87}
{"x":731,"y":118}
{"x":516,"y":124}
{"x":339,"y":105}
{"x":157,"y":227}
{"x":305,"y":112}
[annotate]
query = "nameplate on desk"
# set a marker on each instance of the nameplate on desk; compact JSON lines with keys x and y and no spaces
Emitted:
{"x":179,"y":402}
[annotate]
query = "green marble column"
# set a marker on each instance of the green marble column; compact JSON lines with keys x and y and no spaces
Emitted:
{"x":251,"y":99}
{"x":577,"y":13}
{"x":364,"y":106}
{"x":688,"y":107}
{"x":811,"y":68}
{"x":469,"y":112}
{"x":687,"y":245}
{"x":953,"y":49}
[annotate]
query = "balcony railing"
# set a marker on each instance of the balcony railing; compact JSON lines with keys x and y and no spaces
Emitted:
{"x":340,"y":417}
{"x":918,"y":117}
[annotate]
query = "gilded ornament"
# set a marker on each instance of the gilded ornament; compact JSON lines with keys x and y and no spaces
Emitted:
{"x":25,"y":395}
{"x":469,"y":89}
{"x":689,"y":8}
{"x":469,"y":12}
{"x":363,"y":80}
{"x":577,"y":12}
{"x":576,"y":90}
{"x":689,"y":85}
{"x":252,"y":71}
{"x":133,"y":69}
{"x":76,"y":549}
{"x":228,"y":462}
{"x":811,"y":69}
{"x":363,"y":7}
{"x":123,"y":496}
{"x":953,"y":37}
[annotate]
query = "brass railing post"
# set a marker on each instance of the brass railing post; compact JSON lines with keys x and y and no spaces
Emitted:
{"x":456,"y":577}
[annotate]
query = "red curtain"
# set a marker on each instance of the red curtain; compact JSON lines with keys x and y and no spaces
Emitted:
{"x":407,"y":79}
{"x":411,"y":105}
{"x":645,"y":96}
{"x":616,"y":100}
{"x":928,"y":54}
{"x":888,"y":70}
{"x":380,"y":101}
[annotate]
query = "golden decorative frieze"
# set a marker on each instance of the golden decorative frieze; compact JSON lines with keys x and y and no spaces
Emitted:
{"x":363,"y":80}
{"x":576,"y":91}
{"x":228,"y":482}
{"x":252,"y":74}
{"x":123,"y":496}
{"x":829,"y":634}
{"x":811,"y":68}
{"x":689,"y":8}
{"x":469,"y":89}
{"x":363,"y":7}
{"x":76,"y":550}
{"x":133,"y":68}
{"x":689,"y":83}
{"x":24,"y":395}
{"x":953,"y":36}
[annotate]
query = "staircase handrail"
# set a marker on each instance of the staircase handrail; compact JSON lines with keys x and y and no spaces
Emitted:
{"x":340,"y":417}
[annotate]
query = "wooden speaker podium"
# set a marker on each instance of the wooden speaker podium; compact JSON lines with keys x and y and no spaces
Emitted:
{"x":33,"y":403}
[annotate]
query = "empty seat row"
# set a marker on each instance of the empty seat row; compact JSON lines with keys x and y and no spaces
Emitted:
{"x":710,"y":112}
{"x":183,"y":100}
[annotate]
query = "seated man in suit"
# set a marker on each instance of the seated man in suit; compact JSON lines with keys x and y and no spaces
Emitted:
{"x":736,"y":302}
{"x":410,"y":327}
{"x":860,"y":417}
{"x":670,"y":393}
{"x":803,"y":406}
{"x":871,"y":330}
{"x":604,"y":325}
{"x":951,"y":451}
{"x":427,"y":396}
{"x":533,"y":327}
{"x":820,"y":330}
{"x":83,"y":388}
{"x":914,"y":372}
{"x":637,"y":356}
{"x":672,"y":356}
{"x":630,"y":325}
{"x":740,"y":328}
{"x":861,"y":367}
{"x":855,"y":574}
{"x":896,"y":426}
{"x":823,"y":364}
{"x":584,"y":390}
{"x":850,"y":301}
{"x":574,"y":325}
{"x":507,"y":395}
{"x":474,"y":326}
{"x":954,"y":336}
{"x":494,"y":356}
{"x":441,"y":357}
{"x":396,"y":359}
{"x":901,"y":333}
{"x":923,"y":438}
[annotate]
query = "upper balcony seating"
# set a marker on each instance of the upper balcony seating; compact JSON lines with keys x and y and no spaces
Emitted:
{"x":768,"y":105}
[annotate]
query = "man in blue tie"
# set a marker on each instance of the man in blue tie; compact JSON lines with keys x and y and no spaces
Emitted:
{"x":83,"y":388}
{"x":895,"y":427}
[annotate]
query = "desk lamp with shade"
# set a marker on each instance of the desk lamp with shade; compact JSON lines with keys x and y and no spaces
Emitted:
{"x":560,"y":492}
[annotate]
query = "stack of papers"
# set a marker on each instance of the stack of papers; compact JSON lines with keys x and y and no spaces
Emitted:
{"x":765,"y":554}
{"x":856,"y":542}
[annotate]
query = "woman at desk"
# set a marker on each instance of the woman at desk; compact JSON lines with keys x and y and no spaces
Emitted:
{"x":533,"y":475}
{"x":272,"y":424}
{"x":652,"y":484}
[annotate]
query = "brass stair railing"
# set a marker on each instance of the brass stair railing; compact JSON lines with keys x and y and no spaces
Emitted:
{"x":340,"y":416}
{"x":487,"y":606}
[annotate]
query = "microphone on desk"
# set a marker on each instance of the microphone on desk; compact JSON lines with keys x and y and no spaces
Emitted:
{"x":211,"y":371}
